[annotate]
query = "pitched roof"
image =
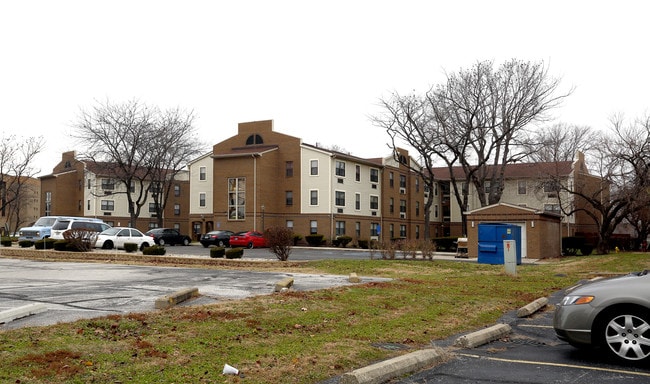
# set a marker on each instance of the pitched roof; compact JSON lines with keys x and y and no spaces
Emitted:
{"x":514,"y":171}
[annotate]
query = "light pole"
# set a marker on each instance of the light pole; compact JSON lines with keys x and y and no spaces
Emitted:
{"x":262,"y":218}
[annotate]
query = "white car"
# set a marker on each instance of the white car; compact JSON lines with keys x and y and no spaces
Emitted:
{"x":116,"y":237}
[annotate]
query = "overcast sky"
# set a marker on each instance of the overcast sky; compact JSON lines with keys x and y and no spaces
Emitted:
{"x":317,"y":68}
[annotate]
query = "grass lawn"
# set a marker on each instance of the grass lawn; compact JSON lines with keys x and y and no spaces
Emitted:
{"x":293,"y":337}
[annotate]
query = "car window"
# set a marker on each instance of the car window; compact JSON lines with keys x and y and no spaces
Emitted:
{"x":61,"y":225}
{"x":110,"y":231}
{"x":124,"y":232}
{"x":136,"y":233}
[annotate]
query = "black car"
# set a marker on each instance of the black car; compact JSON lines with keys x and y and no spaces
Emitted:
{"x":169,"y":236}
{"x":218,"y":238}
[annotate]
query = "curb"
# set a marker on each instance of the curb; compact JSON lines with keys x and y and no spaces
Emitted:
{"x":483,"y":336}
{"x":285,"y":283}
{"x":176,"y":298}
{"x":20,"y":312}
{"x":389,"y":369}
{"x":533,"y":307}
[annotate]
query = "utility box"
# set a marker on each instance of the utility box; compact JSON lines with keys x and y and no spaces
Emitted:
{"x":490,"y":242}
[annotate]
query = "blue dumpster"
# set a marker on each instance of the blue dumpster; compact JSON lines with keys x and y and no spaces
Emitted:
{"x":490,"y":242}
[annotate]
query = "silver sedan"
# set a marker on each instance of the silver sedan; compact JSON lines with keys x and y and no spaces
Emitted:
{"x":613,"y":314}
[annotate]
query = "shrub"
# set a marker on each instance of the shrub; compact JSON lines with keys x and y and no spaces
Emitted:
{"x":6,"y":241}
{"x":25,"y":243}
{"x":363,"y":244}
{"x":296,"y":239}
{"x":217,"y":252}
{"x":130,"y":247}
{"x":445,"y":244}
{"x":155,"y":250}
{"x":314,"y":240}
{"x":586,"y":249}
{"x":80,"y":239}
{"x":61,"y":245}
{"x":342,"y":241}
{"x":235,"y":253}
{"x":46,"y":243}
{"x":571,"y":245}
{"x":279,"y":241}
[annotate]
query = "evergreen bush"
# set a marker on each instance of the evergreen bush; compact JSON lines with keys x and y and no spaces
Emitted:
{"x":235,"y":253}
{"x":130,"y":247}
{"x":61,"y":245}
{"x":6,"y":241}
{"x":25,"y":243}
{"x":155,"y":250}
{"x":217,"y":252}
{"x":314,"y":240}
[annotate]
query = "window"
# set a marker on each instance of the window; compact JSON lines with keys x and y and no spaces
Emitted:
{"x":88,"y":205}
{"x":290,"y":224}
{"x":202,"y":199}
{"x":177,"y":190}
{"x":391,"y":179}
{"x":486,"y":186}
{"x":402,"y":206}
{"x":357,"y":201}
{"x":402,"y":181}
{"x":374,"y":202}
{"x":521,"y":187}
{"x":313,"y":197}
{"x":237,"y":198}
{"x":391,"y":205}
{"x":357,"y":229}
{"x":391,"y":231}
{"x":313,"y":227}
{"x":48,"y":203}
{"x":152,"y":207}
{"x":374,"y":229}
{"x":551,"y":186}
{"x":288,"y":196}
{"x":340,"y":199}
{"x":108,"y":184}
{"x":552,"y":208}
{"x":417,"y":208}
{"x":254,"y":139}
{"x":108,"y":205}
{"x":313,"y":167}
{"x":202,"y":174}
{"x":89,"y":185}
{"x":357,"y":175}
{"x":132,"y":187}
{"x":417,"y":231}
{"x":417,"y":185}
{"x":177,"y":209}
{"x":289,"y":169}
{"x":340,"y":228}
{"x":340,"y":168}
{"x":402,"y":230}
{"x":374,"y":175}
{"x":435,"y":211}
{"x":177,"y":226}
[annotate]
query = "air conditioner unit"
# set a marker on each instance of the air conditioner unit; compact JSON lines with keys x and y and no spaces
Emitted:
{"x":108,"y":192}
{"x":374,"y":213}
{"x":339,"y":210}
{"x":107,"y":213}
{"x":402,"y":191}
{"x":374,"y":186}
{"x":402,"y":215}
{"x":340,"y":181}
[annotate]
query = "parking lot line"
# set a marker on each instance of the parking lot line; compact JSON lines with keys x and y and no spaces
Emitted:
{"x":534,"y":326}
{"x":644,"y":374}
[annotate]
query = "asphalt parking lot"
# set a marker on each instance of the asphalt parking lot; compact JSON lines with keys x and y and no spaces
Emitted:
{"x":530,"y":354}
{"x":72,"y":291}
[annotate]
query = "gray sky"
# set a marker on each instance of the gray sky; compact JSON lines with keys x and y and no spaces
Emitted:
{"x":317,"y":68}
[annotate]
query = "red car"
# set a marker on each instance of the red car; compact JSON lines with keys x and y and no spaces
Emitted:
{"x":248,"y":239}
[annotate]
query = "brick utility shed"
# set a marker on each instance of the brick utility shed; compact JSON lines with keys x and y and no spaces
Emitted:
{"x":540,"y":231}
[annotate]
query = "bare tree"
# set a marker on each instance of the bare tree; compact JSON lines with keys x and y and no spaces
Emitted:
{"x":138,"y":146}
{"x":475,"y":120}
{"x":174,"y":143}
{"x":561,"y":142}
{"x":16,"y":158}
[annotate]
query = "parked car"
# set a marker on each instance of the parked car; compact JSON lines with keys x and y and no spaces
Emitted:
{"x":219,"y":238}
{"x":612,"y":314}
{"x":116,"y":237}
{"x":248,"y":239}
{"x":64,"y":224}
{"x":168,"y":236}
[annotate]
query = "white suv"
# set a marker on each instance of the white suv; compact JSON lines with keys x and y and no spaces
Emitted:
{"x":63,"y":225}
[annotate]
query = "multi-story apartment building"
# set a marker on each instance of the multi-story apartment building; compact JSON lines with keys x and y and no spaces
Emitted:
{"x":531,"y":185}
{"x":82,"y":188}
{"x":261,"y":178}
{"x":18,"y":206}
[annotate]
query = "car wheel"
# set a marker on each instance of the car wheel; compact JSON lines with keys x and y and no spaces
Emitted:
{"x":186,"y":242}
{"x":250,"y":245}
{"x":205,"y":245}
{"x":107,"y":245}
{"x":221,"y":244}
{"x":161,"y":242}
{"x":143,"y":246}
{"x":625,"y":334}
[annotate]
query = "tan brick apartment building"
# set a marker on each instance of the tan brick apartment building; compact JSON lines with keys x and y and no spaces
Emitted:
{"x":261,"y":178}
{"x":80,"y":188}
